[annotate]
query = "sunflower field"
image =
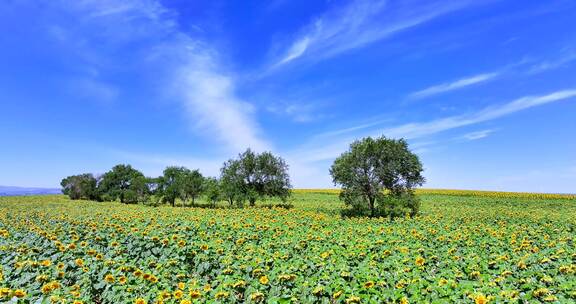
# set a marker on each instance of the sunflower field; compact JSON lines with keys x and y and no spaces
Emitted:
{"x":460,"y":249}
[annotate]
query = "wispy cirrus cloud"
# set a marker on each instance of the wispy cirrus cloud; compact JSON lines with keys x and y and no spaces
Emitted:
{"x":476,"y":135}
{"x":415,"y":130}
{"x":360,"y":23}
{"x":563,"y":60}
{"x":193,"y":73}
{"x":328,"y":150}
{"x":454,"y":85}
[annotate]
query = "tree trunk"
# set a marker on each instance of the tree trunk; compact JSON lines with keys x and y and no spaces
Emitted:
{"x":371,"y":200}
{"x":252,"y":202}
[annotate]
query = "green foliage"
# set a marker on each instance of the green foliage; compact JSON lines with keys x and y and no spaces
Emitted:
{"x":231,"y":183}
{"x":212,"y":190}
{"x":254,"y":176}
{"x":192,"y":185}
{"x":170,"y":184}
{"x":459,"y":249}
{"x":180,"y":183}
{"x":124,"y":183}
{"x":378,"y":177}
{"x":83,"y":186}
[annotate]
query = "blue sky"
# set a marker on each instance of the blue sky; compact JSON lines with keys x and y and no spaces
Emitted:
{"x":484,"y":91}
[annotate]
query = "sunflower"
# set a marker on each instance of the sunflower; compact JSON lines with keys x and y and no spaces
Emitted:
{"x":178,"y":294}
{"x":239,"y":284}
{"x":195,"y":294}
{"x":4,"y":292}
{"x":337,"y":294}
{"x":369,"y":284}
{"x":480,"y":299}
{"x":79,"y":262}
{"x":47,"y":288}
{"x":264,"y":280}
{"x":420,"y":261}
{"x":140,"y":301}
{"x":257,"y":296}
{"x":109,"y":278}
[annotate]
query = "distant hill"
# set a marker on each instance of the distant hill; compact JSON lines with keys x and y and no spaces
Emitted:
{"x":8,"y":191}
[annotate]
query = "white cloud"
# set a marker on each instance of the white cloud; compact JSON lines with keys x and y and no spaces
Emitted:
{"x":563,"y":60}
{"x":477,"y":135}
{"x":414,"y":130}
{"x":352,"y":129}
{"x":300,"y":112}
{"x":297,"y":50}
{"x":213,"y":106}
{"x":455,"y":85}
{"x":330,"y":150}
{"x":360,"y":23}
{"x":186,"y":66}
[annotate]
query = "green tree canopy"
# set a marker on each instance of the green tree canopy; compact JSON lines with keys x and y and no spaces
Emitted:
{"x":83,"y":186}
{"x":192,"y":185}
{"x":253,"y":176}
{"x":378,"y":175}
{"x":125,"y":183}
{"x":212,"y":190}
{"x":170,"y":184}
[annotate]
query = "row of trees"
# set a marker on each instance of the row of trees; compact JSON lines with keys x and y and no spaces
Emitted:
{"x":377,"y":177}
{"x":248,"y":178}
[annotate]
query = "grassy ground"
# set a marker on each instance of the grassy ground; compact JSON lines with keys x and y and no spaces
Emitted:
{"x":464,"y":247}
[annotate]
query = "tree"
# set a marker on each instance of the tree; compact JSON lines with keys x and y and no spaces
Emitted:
{"x":253,"y":176}
{"x":125,"y":183}
{"x":83,"y":186}
{"x":170,"y":184}
{"x":231,"y":183}
{"x":212,"y":190}
{"x":192,"y":185}
{"x":379,"y":175}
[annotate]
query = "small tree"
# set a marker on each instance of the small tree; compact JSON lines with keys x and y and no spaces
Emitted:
{"x":170,"y":184}
{"x":212,"y":190}
{"x":378,"y":176}
{"x":254,"y":176}
{"x":123,"y":182}
{"x":192,"y":185}
{"x":83,"y":186}
{"x":231,"y":183}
